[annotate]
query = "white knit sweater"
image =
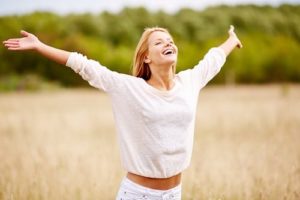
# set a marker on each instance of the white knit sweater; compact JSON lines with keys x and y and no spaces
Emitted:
{"x":155,"y":128}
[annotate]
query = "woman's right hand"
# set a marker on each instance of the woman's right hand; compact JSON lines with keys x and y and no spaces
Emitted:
{"x":31,"y":42}
{"x":28,"y":42}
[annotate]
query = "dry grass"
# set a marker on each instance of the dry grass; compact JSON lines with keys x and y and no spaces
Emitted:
{"x":62,"y":145}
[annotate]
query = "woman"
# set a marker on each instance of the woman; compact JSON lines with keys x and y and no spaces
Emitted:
{"x":154,"y":109}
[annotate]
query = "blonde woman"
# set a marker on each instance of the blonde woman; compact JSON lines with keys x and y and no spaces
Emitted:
{"x":154,"y":110}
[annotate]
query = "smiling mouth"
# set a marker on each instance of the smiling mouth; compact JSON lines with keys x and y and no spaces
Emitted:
{"x":168,"y":52}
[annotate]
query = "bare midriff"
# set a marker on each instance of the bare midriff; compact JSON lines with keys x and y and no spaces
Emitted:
{"x":155,"y":183}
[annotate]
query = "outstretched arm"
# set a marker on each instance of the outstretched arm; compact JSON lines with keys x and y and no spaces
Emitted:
{"x":232,"y":42}
{"x":31,"y":42}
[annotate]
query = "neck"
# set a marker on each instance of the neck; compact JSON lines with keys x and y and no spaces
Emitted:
{"x":162,"y":79}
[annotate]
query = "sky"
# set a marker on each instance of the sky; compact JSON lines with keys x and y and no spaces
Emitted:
{"x":12,"y":7}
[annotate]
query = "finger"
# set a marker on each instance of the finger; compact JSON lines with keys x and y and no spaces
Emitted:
{"x":239,"y":45}
{"x":24,"y":33}
{"x":14,"y":48}
{"x":12,"y":40}
{"x":231,"y":28}
{"x":11,"y":44}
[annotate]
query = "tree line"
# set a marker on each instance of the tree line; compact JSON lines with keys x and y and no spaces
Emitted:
{"x":270,"y":35}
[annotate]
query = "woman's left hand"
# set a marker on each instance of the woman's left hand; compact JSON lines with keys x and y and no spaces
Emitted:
{"x":234,"y":36}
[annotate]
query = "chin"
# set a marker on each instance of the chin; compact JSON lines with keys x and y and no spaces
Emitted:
{"x":171,"y":60}
{"x":168,"y":64}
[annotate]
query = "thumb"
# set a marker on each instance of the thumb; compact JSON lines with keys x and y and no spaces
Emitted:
{"x":24,"y":33}
{"x":231,"y":28}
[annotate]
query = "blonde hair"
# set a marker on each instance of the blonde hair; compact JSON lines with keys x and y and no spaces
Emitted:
{"x":140,"y":68}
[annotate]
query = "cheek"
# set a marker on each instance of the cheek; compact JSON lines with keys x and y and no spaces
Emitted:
{"x":176,"y":48}
{"x":154,"y":53}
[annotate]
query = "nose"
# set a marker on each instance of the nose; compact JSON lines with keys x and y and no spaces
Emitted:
{"x":168,"y":43}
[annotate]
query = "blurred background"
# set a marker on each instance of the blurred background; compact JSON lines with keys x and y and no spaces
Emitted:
{"x":109,"y":32}
{"x":57,"y":134}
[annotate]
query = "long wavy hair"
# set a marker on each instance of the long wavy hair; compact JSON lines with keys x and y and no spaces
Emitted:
{"x":140,"y":68}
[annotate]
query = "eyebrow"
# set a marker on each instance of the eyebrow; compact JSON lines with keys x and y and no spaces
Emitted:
{"x":162,"y":39}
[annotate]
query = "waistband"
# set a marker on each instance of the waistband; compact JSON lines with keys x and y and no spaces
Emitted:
{"x":126,"y":183}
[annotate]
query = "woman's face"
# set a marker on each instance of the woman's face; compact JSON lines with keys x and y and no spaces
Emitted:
{"x":161,"y":49}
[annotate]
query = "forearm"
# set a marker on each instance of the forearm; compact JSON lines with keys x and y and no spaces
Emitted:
{"x":31,"y":42}
{"x":54,"y":54}
{"x":229,"y":45}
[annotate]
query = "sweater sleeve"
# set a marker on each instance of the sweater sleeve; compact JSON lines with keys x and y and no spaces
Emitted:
{"x":93,"y":72}
{"x":205,"y":70}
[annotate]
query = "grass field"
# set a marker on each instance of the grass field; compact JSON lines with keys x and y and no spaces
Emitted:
{"x":62,"y":145}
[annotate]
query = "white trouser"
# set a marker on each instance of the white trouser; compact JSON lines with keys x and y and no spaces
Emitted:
{"x":132,"y":191}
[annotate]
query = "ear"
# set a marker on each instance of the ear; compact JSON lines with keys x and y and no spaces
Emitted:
{"x":147,"y":60}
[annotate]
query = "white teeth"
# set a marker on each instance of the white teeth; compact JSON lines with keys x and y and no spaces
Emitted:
{"x":168,"y":51}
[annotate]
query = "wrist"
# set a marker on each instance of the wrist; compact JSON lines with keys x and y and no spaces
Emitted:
{"x":38,"y":46}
